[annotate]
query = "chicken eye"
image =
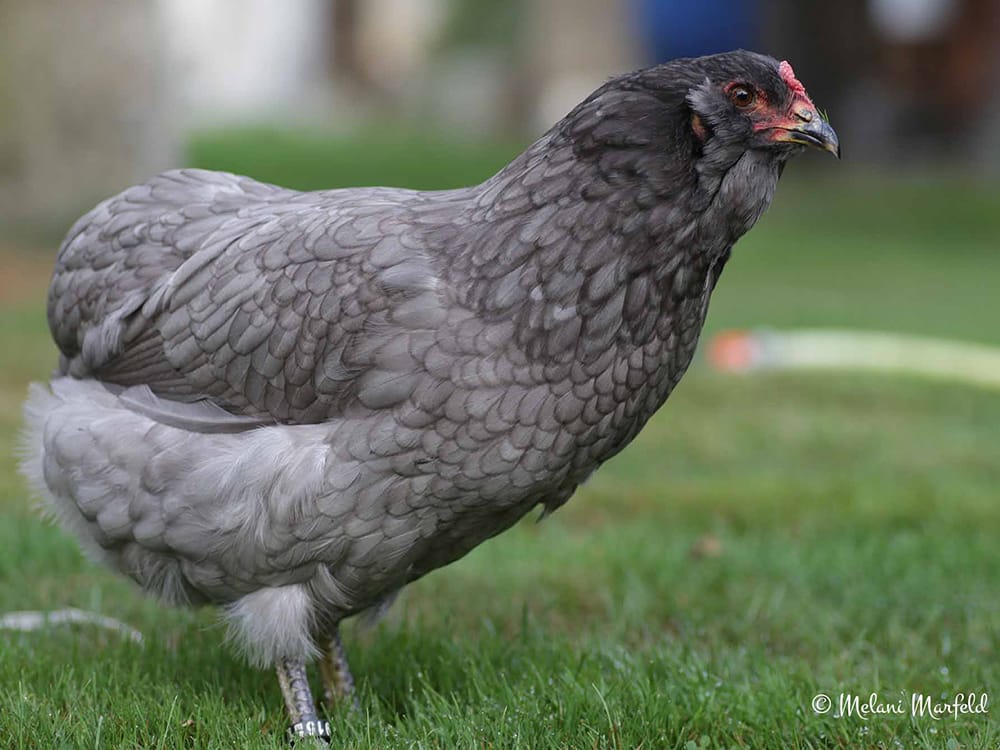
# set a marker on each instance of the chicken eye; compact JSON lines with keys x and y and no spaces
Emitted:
{"x":742,"y":96}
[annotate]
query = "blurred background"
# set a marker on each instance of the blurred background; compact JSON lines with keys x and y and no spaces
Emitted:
{"x":766,"y":536}
{"x":98,"y":94}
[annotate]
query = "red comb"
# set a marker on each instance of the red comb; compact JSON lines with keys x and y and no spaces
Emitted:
{"x":788,"y":76}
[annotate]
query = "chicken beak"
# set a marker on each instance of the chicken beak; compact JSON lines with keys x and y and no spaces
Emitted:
{"x":810,"y":129}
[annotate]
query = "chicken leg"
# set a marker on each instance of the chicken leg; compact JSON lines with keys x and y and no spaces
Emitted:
{"x":338,"y":684}
{"x":299,"y":700}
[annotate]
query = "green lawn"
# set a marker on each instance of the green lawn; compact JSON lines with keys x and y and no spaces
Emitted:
{"x":767,"y":538}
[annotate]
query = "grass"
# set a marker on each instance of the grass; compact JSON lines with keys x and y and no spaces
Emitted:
{"x":765,"y":539}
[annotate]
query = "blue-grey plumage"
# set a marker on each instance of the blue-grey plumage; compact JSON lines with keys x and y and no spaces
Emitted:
{"x":293,"y":404}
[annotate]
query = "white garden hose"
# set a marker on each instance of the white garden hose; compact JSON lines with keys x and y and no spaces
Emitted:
{"x":745,"y":351}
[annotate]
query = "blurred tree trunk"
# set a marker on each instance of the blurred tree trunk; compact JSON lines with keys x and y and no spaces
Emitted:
{"x":345,"y":50}
{"x":576,"y":46}
{"x":84,"y":104}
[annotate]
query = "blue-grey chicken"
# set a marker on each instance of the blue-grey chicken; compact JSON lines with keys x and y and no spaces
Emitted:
{"x":293,"y":404}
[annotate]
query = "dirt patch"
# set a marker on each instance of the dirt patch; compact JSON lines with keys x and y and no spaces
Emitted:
{"x":24,"y":273}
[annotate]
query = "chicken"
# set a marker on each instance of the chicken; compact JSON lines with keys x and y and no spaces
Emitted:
{"x":291,"y":405}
